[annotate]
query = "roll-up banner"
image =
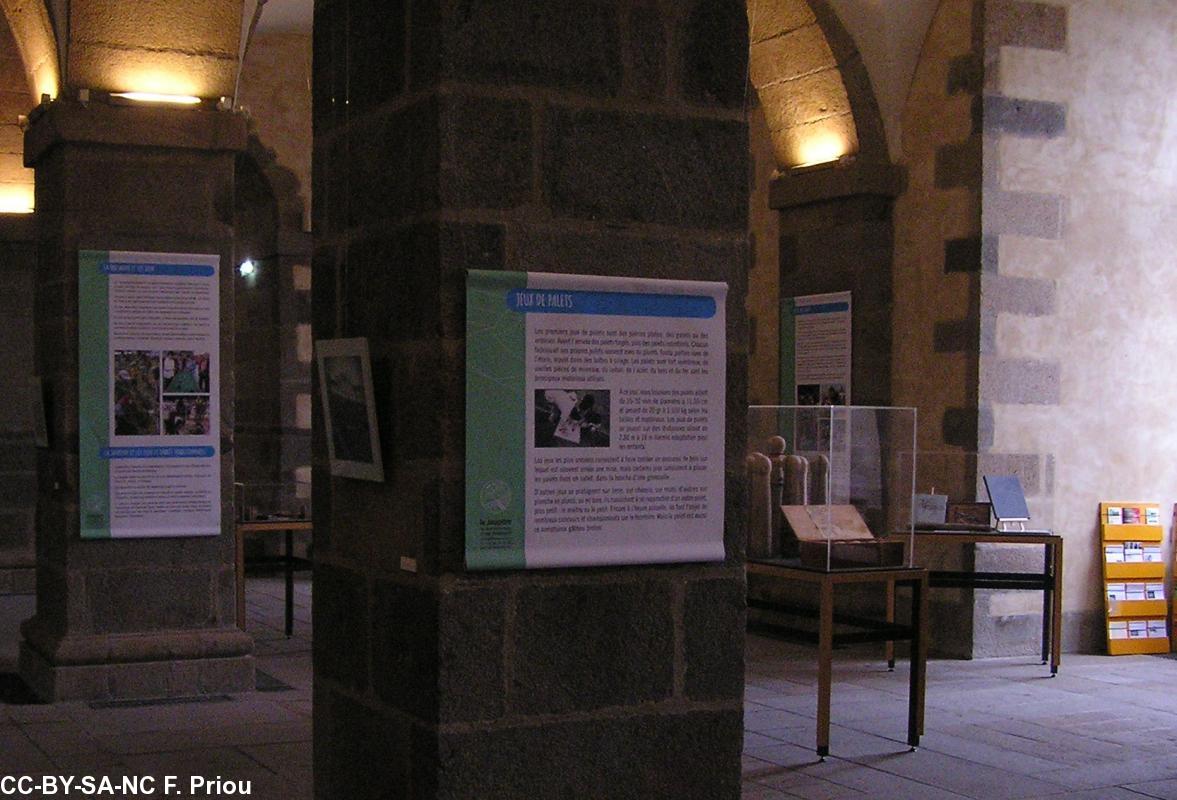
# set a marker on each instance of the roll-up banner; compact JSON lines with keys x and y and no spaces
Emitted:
{"x":149,"y":394}
{"x":594,"y":420}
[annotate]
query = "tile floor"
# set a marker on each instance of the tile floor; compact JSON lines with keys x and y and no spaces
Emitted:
{"x":995,"y":729}
{"x":998,"y":729}
{"x":263,"y":737}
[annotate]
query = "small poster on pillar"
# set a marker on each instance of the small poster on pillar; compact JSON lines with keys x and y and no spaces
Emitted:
{"x":594,"y":420}
{"x":149,"y":394}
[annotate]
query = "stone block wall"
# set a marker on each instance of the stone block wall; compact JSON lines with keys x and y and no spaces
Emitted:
{"x":18,"y":454}
{"x":938,"y":237}
{"x":1076,"y":323}
{"x":1026,"y":150}
{"x":1010,"y":377}
{"x":607,"y":138}
{"x":937,"y":268}
{"x":1004,"y":622}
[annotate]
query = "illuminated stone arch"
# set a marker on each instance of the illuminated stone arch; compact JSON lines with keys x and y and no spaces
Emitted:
{"x":188,"y":48}
{"x":812,"y":84}
{"x":28,"y":70}
{"x":33,"y":38}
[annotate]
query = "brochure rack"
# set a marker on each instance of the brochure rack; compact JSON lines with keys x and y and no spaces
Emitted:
{"x":1133,"y":577}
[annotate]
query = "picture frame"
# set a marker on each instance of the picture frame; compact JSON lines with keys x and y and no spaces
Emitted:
{"x":974,"y":516}
{"x":349,"y":408}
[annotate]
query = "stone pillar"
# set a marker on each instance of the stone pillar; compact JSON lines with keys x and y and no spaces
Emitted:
{"x":18,"y":456}
{"x":1023,"y":387}
{"x":137,"y":617}
{"x":600,"y":138}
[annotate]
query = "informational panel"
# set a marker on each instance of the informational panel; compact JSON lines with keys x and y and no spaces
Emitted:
{"x":815,"y":349}
{"x":594,"y":420}
{"x":148,"y":391}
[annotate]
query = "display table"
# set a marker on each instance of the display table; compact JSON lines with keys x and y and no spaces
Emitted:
{"x":288,"y":560}
{"x":855,"y":629}
{"x":1049,"y":581}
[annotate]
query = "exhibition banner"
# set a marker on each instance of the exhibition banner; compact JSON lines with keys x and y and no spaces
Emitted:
{"x":816,"y":349}
{"x":148,"y":392}
{"x":594,"y":420}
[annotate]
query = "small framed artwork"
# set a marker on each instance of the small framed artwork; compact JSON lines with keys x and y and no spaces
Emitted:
{"x":349,"y":408}
{"x":971,"y":516}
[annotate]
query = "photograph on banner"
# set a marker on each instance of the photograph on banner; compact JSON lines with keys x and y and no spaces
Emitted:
{"x":594,"y":420}
{"x":149,"y":434}
{"x":572,"y":418}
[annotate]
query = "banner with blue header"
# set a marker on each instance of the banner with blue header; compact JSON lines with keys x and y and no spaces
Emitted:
{"x":594,"y":420}
{"x":149,"y":394}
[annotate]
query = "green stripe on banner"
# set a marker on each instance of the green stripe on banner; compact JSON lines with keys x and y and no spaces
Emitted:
{"x":93,"y":393}
{"x":788,"y":358}
{"x":496,"y":423}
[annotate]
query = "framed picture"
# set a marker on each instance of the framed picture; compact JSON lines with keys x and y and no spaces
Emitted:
{"x":974,"y":516}
{"x":349,"y":408}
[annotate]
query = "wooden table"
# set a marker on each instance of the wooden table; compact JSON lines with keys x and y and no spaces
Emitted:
{"x":287,"y":560}
{"x":866,"y":629}
{"x":1049,"y":581}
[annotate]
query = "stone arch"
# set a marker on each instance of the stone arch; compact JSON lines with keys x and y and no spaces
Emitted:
{"x":272,"y":430}
{"x":812,"y":84}
{"x":33,"y":37}
{"x":28,"y":58}
{"x":817,"y":230}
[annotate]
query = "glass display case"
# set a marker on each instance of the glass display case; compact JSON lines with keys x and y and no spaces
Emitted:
{"x":831,"y":487}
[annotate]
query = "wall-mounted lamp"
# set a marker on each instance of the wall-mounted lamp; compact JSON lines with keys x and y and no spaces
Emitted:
{"x":16,"y":199}
{"x":247,"y":268}
{"x":156,"y":97}
{"x":826,"y":147}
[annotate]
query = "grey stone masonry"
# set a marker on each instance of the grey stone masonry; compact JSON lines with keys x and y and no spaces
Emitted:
{"x":607,"y":138}
{"x":1030,"y":118}
{"x":1015,"y":23}
{"x":135,"y":617}
{"x":1032,"y":297}
{"x":1019,"y":380}
{"x":1030,"y":214}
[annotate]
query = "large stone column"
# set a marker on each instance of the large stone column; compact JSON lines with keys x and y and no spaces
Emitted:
{"x":140,"y":617}
{"x":600,"y":138}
